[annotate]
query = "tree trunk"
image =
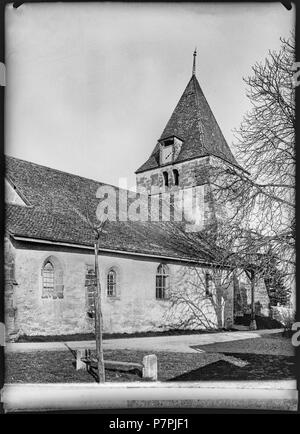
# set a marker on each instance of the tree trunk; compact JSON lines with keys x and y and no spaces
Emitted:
{"x":252,"y":325}
{"x":98,"y":319}
{"x":219,"y":308}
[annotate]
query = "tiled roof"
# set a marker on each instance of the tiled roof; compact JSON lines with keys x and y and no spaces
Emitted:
{"x":194,"y":123}
{"x":57,"y":207}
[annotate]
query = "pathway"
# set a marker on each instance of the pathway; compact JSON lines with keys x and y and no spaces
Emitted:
{"x":180,"y":343}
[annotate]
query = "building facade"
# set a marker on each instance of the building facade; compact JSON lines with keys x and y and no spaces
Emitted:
{"x":152,"y":274}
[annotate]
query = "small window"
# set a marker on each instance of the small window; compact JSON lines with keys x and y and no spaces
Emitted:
{"x":166,"y":179}
{"x":48,"y":280}
{"x":162,"y":282}
{"x":208,"y":281}
{"x":176,"y":177}
{"x":111,"y":283}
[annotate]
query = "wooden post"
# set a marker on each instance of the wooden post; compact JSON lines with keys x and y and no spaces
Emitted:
{"x":98,"y":317}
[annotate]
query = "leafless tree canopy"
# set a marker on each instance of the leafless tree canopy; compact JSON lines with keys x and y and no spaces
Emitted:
{"x":256,"y":233}
{"x":261,"y":199}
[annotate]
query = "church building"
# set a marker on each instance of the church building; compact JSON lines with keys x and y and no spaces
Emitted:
{"x":155,"y":275}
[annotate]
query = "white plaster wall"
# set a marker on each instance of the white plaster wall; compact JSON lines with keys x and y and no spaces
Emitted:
{"x":11,"y":196}
{"x":135,"y":308}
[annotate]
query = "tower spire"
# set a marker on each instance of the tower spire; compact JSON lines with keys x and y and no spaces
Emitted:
{"x":194,"y":62}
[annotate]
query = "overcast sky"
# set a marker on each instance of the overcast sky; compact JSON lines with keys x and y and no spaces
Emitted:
{"x":90,"y":86}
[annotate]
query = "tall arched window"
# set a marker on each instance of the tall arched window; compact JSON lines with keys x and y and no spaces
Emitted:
{"x":162,"y":281}
{"x":48,"y":280}
{"x":111,"y":283}
{"x":166,"y":179}
{"x":176,"y":177}
{"x":52,"y":278}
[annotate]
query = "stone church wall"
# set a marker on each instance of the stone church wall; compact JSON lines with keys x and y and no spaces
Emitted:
{"x":10,"y":301}
{"x":193,"y":182}
{"x":191,"y":174}
{"x":134,"y":309}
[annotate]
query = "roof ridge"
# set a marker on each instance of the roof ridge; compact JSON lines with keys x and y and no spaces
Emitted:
{"x":68,"y":173}
{"x":61,"y":171}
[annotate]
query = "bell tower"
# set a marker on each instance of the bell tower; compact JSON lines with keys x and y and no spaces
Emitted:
{"x":181,"y":159}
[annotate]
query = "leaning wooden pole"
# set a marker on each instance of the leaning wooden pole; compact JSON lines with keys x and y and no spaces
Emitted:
{"x":98,"y":317}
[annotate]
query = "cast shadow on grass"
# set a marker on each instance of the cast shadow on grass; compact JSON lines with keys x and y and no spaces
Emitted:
{"x":93,"y":372}
{"x":260,"y":367}
{"x":73,"y":352}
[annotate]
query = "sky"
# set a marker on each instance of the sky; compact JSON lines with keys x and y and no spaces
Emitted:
{"x":90,"y":87}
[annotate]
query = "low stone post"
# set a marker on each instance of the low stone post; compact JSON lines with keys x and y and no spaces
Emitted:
{"x":150,"y":367}
{"x":80,"y":365}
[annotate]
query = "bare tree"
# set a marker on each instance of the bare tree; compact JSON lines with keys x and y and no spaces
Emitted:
{"x":257,"y":229}
{"x":199,"y":298}
{"x":96,"y":227}
{"x":200,"y":294}
{"x":261,"y":198}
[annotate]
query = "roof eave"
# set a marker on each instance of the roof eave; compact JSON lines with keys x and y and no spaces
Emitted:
{"x":113,"y":251}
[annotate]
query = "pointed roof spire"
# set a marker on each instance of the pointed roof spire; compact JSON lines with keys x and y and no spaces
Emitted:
{"x":193,"y":122}
{"x":194,"y":62}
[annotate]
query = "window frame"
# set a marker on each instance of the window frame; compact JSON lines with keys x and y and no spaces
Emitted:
{"x":176,"y":177}
{"x":111,"y":293}
{"x":163,"y":277}
{"x":56,"y":289}
{"x":166,"y":178}
{"x":49,"y":290}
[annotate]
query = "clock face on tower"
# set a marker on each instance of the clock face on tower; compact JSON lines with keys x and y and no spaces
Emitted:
{"x":167,"y":154}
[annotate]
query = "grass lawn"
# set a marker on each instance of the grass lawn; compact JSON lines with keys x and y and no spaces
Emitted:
{"x":59,"y":366}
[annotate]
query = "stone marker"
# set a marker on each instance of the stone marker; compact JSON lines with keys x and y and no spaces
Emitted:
{"x":79,"y":363}
{"x":150,"y":367}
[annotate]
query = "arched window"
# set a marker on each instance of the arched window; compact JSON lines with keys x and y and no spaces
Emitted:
{"x":48,"y":280}
{"x":52,"y":279}
{"x":176,"y":177}
{"x":162,"y":281}
{"x":166,"y":179}
{"x":111,"y":283}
